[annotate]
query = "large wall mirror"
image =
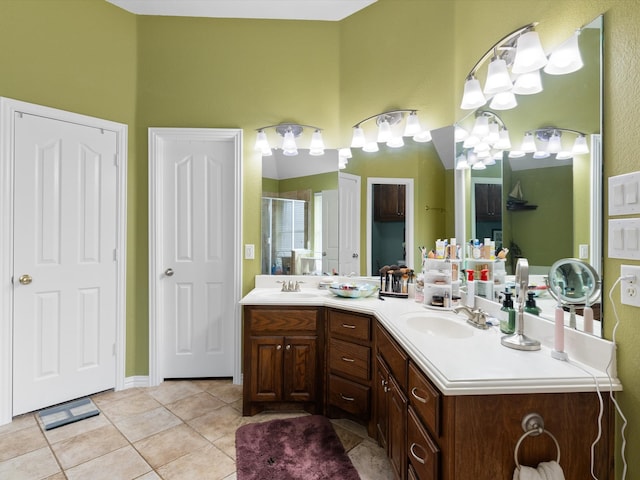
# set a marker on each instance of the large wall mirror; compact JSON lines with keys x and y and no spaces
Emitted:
{"x":560,"y":210}
{"x":299,"y":213}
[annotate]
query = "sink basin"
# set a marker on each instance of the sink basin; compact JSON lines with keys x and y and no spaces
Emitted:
{"x":438,"y":326}
{"x":278,"y":294}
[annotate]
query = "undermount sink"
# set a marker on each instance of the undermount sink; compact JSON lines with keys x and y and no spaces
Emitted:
{"x":437,"y":326}
{"x":290,"y":295}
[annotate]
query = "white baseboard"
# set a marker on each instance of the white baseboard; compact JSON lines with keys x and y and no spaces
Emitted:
{"x":136,"y":381}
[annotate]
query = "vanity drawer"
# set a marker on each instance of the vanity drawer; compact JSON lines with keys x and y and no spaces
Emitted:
{"x":277,"y":320}
{"x":350,"y":325}
{"x":395,"y":357}
{"x":425,"y":399}
{"x":350,"y":359}
{"x":349,"y":396}
{"x":423,"y":453}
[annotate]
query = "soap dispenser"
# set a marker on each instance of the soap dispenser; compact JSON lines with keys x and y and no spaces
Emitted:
{"x":530,"y":305}
{"x":508,"y":320}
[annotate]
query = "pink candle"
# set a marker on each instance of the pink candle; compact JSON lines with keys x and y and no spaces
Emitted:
{"x":558,"y":343}
{"x":588,"y":319}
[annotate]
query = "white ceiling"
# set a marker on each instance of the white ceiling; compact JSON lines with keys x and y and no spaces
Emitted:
{"x":329,"y":10}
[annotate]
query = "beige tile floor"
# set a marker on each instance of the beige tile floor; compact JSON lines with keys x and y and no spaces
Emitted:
{"x":180,"y":430}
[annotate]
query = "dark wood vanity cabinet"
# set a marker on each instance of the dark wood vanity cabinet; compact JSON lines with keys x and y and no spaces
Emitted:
{"x":431,"y":436}
{"x":283,"y":358}
{"x":388,"y":202}
{"x":349,"y":368}
{"x":488,"y":200}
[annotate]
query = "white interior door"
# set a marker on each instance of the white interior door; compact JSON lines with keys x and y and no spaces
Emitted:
{"x":195,"y":262}
{"x":330,"y":237}
{"x":65,"y":202}
{"x":349,"y":223}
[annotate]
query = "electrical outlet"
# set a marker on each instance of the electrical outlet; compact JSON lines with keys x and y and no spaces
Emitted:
{"x":249,"y":251}
{"x":630,"y":289}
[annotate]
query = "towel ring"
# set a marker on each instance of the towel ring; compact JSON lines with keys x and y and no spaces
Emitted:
{"x":533,"y":425}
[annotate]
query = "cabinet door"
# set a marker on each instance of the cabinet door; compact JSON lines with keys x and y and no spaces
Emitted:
{"x":266,"y":365}
{"x":388,"y":202}
{"x":397,"y":412}
{"x":488,"y":199}
{"x":381,"y":389}
{"x":300,"y":370}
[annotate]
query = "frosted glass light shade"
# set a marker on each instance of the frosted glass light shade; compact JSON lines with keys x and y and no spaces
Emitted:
{"x":528,"y":83}
{"x":528,"y":143}
{"x":478,"y":166}
{"x":472,"y":97}
{"x":540,"y":154}
{"x":566,"y":58}
{"x":504,"y":142}
{"x":262,"y":143}
{"x":370,"y":147}
{"x":412,"y":126}
{"x":498,"y":79}
{"x":504,"y":101}
{"x":555,"y":143}
{"x":564,"y":155}
{"x":516,"y":154}
{"x":461,"y":162}
{"x":316,"y":148}
{"x":529,"y":54}
{"x":289,"y":147}
{"x":494,"y":133}
{"x":422,"y":137}
{"x":480,"y":127}
{"x":580,"y":146}
{"x":345,"y":153}
{"x":384,"y":131}
{"x":395,"y":142}
{"x":358,"y":140}
{"x":459,"y":133}
{"x":470,"y":141}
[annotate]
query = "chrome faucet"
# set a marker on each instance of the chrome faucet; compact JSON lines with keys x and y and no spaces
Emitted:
{"x":475,"y":316}
{"x":290,"y":286}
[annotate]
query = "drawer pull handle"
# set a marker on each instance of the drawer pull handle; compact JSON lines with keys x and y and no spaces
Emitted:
{"x":416,"y":396}
{"x":419,"y":459}
{"x":346,"y":359}
{"x":347,"y":399}
{"x":346,"y":325}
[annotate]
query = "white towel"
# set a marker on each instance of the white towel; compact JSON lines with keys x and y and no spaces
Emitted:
{"x":545,"y":471}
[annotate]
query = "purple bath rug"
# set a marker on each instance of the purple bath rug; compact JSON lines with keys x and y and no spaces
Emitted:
{"x":302,"y":448}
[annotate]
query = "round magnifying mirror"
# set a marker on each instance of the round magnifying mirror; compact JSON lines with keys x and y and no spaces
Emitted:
{"x":574,"y":282}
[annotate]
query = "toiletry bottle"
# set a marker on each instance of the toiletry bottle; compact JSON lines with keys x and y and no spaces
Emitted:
{"x":508,"y":320}
{"x":530,"y":305}
{"x":471,"y":289}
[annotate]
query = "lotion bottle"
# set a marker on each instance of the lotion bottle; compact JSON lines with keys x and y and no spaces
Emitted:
{"x":471,"y":289}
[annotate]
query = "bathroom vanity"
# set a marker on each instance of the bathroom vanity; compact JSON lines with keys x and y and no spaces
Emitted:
{"x":444,"y":399}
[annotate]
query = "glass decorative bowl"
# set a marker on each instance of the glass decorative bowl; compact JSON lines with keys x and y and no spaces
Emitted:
{"x":353,"y":289}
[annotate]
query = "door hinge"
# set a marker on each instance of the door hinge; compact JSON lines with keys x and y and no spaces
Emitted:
{"x":115,"y":254}
{"x":115,"y":159}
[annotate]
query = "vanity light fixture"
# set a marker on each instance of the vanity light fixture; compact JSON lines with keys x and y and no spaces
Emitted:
{"x":486,"y":142}
{"x":289,"y":132}
{"x":514,"y":69}
{"x":390,"y":130}
{"x":550,"y":138}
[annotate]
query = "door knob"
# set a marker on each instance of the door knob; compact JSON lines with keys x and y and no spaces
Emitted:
{"x":355,"y":255}
{"x":169,"y":272}
{"x":25,"y":279}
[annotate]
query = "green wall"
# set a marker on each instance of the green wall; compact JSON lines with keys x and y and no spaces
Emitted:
{"x":91,"y":57}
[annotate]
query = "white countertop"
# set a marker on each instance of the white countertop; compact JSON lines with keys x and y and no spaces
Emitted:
{"x":475,"y":364}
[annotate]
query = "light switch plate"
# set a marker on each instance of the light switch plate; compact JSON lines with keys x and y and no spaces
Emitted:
{"x":624,"y":194}
{"x":630,"y":289}
{"x":249,"y":251}
{"x":624,"y":238}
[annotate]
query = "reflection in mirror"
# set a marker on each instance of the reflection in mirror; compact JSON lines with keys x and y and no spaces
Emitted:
{"x":563,"y":217}
{"x":575,"y":285}
{"x":299,"y":213}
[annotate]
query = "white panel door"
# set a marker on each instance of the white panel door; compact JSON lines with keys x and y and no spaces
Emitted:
{"x":330,"y":233}
{"x":349,"y":224}
{"x":64,"y":261}
{"x":198,"y":271}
